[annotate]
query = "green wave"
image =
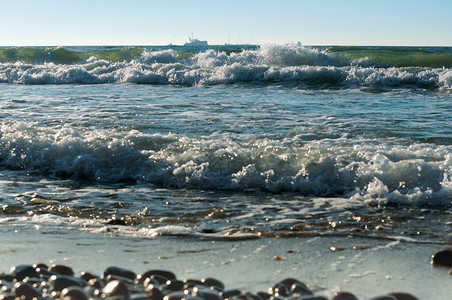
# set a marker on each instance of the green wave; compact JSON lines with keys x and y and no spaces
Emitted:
{"x":432,"y":57}
{"x":80,"y":54}
{"x":60,"y":55}
{"x":381,"y":57}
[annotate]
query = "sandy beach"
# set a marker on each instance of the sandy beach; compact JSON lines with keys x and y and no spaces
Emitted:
{"x":365,"y":267}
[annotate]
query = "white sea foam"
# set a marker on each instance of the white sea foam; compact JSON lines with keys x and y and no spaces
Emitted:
{"x":270,"y":63}
{"x":418,"y":173}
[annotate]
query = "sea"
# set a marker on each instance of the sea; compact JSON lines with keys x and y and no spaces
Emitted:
{"x":227,"y":142}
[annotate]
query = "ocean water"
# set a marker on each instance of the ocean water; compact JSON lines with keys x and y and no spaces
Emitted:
{"x":227,"y":142}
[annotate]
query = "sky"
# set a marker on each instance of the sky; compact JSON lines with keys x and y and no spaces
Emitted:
{"x":149,"y":22}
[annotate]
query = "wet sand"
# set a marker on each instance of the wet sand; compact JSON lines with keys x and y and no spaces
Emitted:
{"x":365,"y":267}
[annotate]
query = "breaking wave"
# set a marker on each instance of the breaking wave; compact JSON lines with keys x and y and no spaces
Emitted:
{"x":373,"y":171}
{"x":337,"y":67}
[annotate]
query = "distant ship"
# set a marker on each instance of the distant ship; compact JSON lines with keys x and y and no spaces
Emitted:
{"x":195,"y":42}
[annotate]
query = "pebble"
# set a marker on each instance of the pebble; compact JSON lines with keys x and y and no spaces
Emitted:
{"x":116,"y":289}
{"x":25,"y":290}
{"x":120,"y":272}
{"x":403,"y":296}
{"x":264,"y":296}
{"x":231,"y":294}
{"x":87,"y":276}
{"x":189,"y":283}
{"x":45,"y":273}
{"x":174,"y":285}
{"x":396,"y":296}
{"x":74,"y":293}
{"x":344,"y":296}
{"x":213,"y":283}
{"x":40,"y":266}
{"x":289,"y":286}
{"x":154,"y":292}
{"x":176,"y":295}
{"x":96,"y":283}
{"x":167,"y":275}
{"x":59,"y":282}
{"x":207,"y":294}
{"x":63,"y":270}
{"x":20,"y":272}
{"x":250,"y":296}
{"x":442,"y":259}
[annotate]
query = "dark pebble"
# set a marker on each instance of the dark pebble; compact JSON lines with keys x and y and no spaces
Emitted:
{"x":63,"y":270}
{"x":116,"y":289}
{"x":96,"y":283}
{"x":140,"y":296}
{"x":74,"y":293}
{"x":442,"y":259}
{"x":396,"y":296}
{"x":264,"y":296}
{"x":87,"y":276}
{"x":289,"y":286}
{"x":154,"y":279}
{"x":60,"y":282}
{"x":315,"y":298}
{"x":288,"y":282}
{"x":25,"y":291}
{"x":174,"y":285}
{"x":300,"y":288}
{"x":189,"y":283}
{"x":6,"y":277}
{"x":40,"y":266}
{"x":116,"y":271}
{"x":126,"y":280}
{"x":207,"y":294}
{"x":20,"y":272}
{"x":279,"y":290}
{"x":158,"y":274}
{"x":250,"y":296}
{"x":403,"y":296}
{"x":212,"y":282}
{"x":45,"y":273}
{"x":179,"y":295}
{"x":344,"y":296}
{"x":154,"y":292}
{"x":230,"y":294}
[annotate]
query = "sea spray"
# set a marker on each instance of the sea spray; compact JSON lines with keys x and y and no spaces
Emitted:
{"x":418,"y":173}
{"x":333,"y":67}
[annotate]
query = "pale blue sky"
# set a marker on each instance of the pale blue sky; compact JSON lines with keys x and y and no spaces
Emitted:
{"x":312,"y":22}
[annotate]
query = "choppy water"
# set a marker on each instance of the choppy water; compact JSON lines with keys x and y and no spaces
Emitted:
{"x":228,"y":142}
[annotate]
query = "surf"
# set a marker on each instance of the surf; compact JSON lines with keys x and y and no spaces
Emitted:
{"x":305,"y":67}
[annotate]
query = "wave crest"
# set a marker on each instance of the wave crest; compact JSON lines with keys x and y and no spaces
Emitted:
{"x":420,"y":173}
{"x":288,"y":64}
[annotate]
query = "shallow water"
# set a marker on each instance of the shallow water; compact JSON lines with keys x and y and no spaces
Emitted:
{"x":214,"y":150}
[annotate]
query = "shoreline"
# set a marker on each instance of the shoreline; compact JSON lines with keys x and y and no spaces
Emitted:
{"x":326,"y":264}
